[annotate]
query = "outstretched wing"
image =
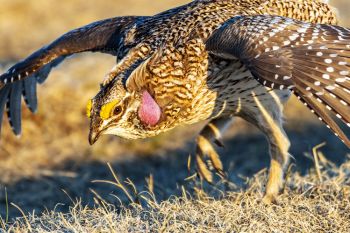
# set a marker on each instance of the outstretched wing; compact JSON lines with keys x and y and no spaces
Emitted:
{"x":104,"y":36}
{"x":312,"y":60}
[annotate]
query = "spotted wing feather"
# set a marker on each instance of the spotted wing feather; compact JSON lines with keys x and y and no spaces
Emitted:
{"x":21,"y":79}
{"x":312,"y":60}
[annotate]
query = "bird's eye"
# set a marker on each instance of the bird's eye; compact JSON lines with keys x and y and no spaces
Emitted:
{"x":108,"y":109}
{"x":117,"y":110}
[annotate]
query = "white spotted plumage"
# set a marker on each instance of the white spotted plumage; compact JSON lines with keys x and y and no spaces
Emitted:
{"x":318,"y":65}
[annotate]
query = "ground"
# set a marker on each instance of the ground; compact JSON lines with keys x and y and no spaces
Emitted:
{"x":52,"y":174}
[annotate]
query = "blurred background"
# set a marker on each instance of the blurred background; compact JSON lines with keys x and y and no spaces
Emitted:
{"x":53,"y":152}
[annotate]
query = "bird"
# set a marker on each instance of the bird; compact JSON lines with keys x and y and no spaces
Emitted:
{"x":207,"y":60}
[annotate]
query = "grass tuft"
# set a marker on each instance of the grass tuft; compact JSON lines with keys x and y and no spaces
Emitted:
{"x":306,"y":205}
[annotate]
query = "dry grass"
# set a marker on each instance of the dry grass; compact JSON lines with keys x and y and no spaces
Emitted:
{"x":53,"y":152}
{"x":306,"y":205}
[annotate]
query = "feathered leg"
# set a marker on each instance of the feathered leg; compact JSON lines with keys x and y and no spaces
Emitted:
{"x":269,"y":119}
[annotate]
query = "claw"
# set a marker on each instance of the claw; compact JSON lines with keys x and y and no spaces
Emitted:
{"x":203,"y":170}
{"x":219,"y":142}
{"x":269,"y":199}
{"x":206,"y":150}
{"x":206,"y":156}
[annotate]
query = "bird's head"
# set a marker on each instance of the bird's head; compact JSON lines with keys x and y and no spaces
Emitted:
{"x":117,"y":111}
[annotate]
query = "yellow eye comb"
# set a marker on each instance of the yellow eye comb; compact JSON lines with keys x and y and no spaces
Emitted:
{"x":106,"y":110}
{"x":88,"y":108}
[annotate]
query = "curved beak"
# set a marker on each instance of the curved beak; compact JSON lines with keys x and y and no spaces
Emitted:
{"x":93,"y":137}
{"x":96,"y":129}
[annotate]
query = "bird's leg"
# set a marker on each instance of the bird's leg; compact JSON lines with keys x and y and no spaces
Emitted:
{"x":269,"y":121}
{"x":206,"y":156}
{"x":279,"y":145}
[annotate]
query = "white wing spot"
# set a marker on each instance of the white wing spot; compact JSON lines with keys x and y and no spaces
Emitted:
{"x":328,"y":61}
{"x":340,"y":80}
{"x":293,"y":37}
{"x":325,"y":76}
{"x":343,"y":102}
{"x":302,"y":30}
{"x":287,"y":42}
{"x":330,"y":88}
{"x":330,"y":69}
{"x":334,"y":96}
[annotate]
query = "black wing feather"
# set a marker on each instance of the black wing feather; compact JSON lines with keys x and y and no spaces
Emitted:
{"x":14,"y":110}
{"x":3,"y":99}
{"x":29,"y":93}
{"x":103,"y":36}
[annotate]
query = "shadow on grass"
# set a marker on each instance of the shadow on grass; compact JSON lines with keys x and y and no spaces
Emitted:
{"x":244,"y":155}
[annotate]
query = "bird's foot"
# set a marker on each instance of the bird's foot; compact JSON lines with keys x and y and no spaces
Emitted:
{"x":207,"y":158}
{"x":269,"y":199}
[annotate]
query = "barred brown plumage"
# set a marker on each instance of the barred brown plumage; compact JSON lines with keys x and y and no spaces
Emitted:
{"x":209,"y":59}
